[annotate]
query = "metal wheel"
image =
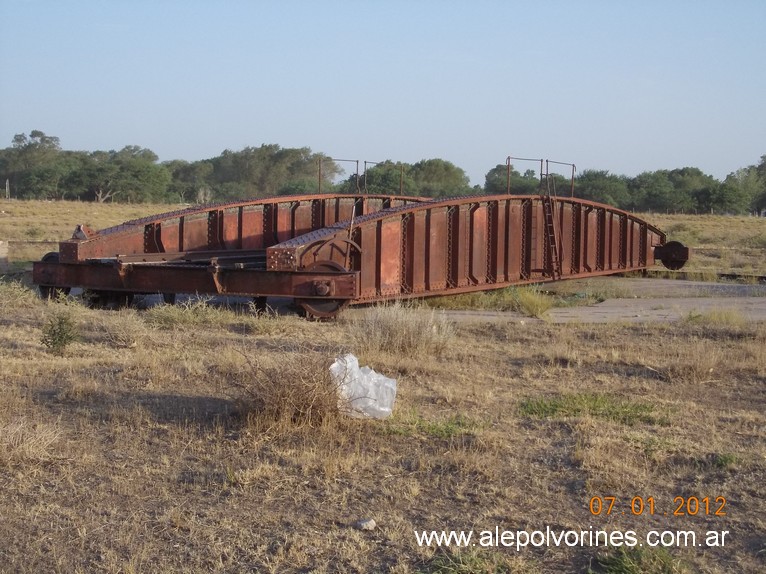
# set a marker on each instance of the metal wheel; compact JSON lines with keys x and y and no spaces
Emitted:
{"x":52,"y":291}
{"x":323,"y":308}
{"x":672,"y":263}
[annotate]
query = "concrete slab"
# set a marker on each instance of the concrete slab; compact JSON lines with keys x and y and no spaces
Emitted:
{"x":659,"y":309}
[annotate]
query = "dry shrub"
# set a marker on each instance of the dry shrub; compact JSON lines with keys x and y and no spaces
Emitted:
{"x":200,"y":312}
{"x":532,"y":302}
{"x":399,"y":328}
{"x":192,"y":312}
{"x":15,"y":295}
{"x":268,"y":322}
{"x":287,"y":390}
{"x":123,"y":329}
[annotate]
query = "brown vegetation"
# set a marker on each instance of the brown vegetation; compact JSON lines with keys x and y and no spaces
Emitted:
{"x":159,"y":445}
{"x":721,"y":243}
{"x":205,"y":438}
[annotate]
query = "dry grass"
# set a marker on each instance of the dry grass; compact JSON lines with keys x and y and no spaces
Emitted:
{"x":400,"y":329}
{"x":171,"y":439}
{"x":35,"y":227}
{"x":528,"y":300}
{"x":15,"y":295}
{"x":27,"y":443}
{"x":198,"y":445}
{"x":123,"y":329}
{"x":712,"y":230}
{"x":640,"y":560}
{"x":731,"y":317}
{"x":56,"y":220}
{"x":721,"y":243}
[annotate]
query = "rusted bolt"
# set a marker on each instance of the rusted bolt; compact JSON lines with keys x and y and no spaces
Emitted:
{"x":322,"y":288}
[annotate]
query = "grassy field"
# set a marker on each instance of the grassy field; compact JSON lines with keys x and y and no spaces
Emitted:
{"x":56,"y":220}
{"x":723,"y":244}
{"x":199,"y":438}
{"x":158,"y":441}
{"x":34,"y":227}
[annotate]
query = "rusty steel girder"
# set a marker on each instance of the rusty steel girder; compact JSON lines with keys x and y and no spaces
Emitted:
{"x":227,"y":227}
{"x":328,"y":251}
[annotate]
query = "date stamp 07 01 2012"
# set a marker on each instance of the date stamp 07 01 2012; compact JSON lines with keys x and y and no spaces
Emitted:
{"x":639,"y":505}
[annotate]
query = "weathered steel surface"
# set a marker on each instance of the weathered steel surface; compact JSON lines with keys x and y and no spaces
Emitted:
{"x":190,"y":278}
{"x":330,"y":250}
{"x":476,"y":243}
{"x":242,"y":225}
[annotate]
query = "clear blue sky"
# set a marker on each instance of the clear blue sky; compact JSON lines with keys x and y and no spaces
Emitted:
{"x":621,"y":86}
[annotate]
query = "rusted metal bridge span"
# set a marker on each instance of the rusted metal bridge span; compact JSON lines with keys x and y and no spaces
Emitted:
{"x":327,"y":251}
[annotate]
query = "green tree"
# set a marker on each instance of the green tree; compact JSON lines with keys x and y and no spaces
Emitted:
{"x":603,"y":187}
{"x":387,"y":177}
{"x":496,"y":181}
{"x":652,"y":191}
{"x":32,"y":164}
{"x":439,"y":178}
{"x":304,"y":186}
{"x":73,"y":185}
{"x":758,"y":190}
{"x":5,"y":168}
{"x":99,"y":175}
{"x":131,"y":174}
{"x":35,"y":149}
{"x":761,"y":168}
{"x":264,"y":171}
{"x":44,"y":181}
{"x":140,"y":178}
{"x":733,"y":196}
{"x":691,"y":186}
{"x":190,"y":182}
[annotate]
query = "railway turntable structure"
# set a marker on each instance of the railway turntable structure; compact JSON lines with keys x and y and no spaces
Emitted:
{"x":327,"y":251}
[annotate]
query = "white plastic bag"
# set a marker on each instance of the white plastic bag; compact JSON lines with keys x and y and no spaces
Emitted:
{"x":363,"y":392}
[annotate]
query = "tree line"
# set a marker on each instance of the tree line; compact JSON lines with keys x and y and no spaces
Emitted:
{"x":36,"y":167}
